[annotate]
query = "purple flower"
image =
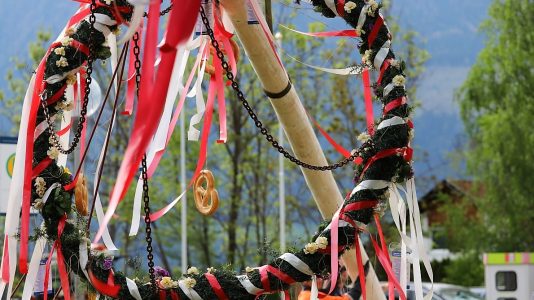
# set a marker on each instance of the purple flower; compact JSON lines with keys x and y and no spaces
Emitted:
{"x":160,"y":272}
{"x":108,"y":263}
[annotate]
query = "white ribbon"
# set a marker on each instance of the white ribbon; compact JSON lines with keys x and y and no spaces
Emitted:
{"x":193,"y":134}
{"x":370,"y":185}
{"x":15,"y":193}
{"x":389,"y":88}
{"x":332,"y":5}
{"x":84,"y":256}
{"x":314,"y":289}
{"x":363,"y":16}
{"x":135,"y":20}
{"x":251,"y":288}
{"x":190,"y":293}
{"x":132,"y":287}
{"x":382,"y":54}
{"x":106,"y":237}
{"x":296,"y":263}
{"x":396,"y":120}
{"x":352,"y":70}
{"x":49,"y":191}
{"x":33,"y":268}
{"x":111,"y":39}
{"x":136,"y":211}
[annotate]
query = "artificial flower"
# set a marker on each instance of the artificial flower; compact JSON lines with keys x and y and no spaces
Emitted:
{"x":71,"y":79}
{"x":53,"y":153}
{"x":69,"y":31}
{"x":38,"y":204}
{"x":167,"y":283}
{"x":211,"y":270}
{"x":349,"y":6}
{"x":190,"y":282}
{"x":363,"y":137}
{"x":322,"y":242}
{"x":373,"y":7}
{"x":69,"y":105}
{"x":65,"y":41}
{"x":193,"y":271}
{"x":62,"y":62}
{"x":395,"y":63}
{"x":60,"y":51}
{"x":108,"y":2}
{"x":249,"y":269}
{"x":399,"y":80}
{"x":366,"y":58}
{"x":311,"y":248}
{"x":39,"y":182}
{"x":108,"y":263}
{"x":161,"y":272}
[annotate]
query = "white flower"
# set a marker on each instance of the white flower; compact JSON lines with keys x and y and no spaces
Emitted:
{"x":399,"y":80}
{"x":311,"y":248}
{"x":53,"y":153}
{"x":395,"y":63}
{"x":69,"y":105}
{"x":322,"y":242}
{"x":167,"y":283}
{"x":38,"y":204}
{"x":363,"y":137}
{"x":190,"y":282}
{"x":65,"y":41}
{"x":108,"y":2}
{"x":193,"y":271}
{"x":249,"y":269}
{"x":411,"y":134}
{"x":40,"y":191}
{"x":69,"y":31}
{"x":60,"y":51}
{"x":211,"y":270}
{"x":373,"y":7}
{"x":349,"y":6}
{"x":60,"y":105}
{"x":71,"y":79}
{"x":62,"y":62}
{"x":366,"y":58}
{"x":39,"y":181}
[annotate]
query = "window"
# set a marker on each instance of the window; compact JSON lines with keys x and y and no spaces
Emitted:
{"x":506,"y":281}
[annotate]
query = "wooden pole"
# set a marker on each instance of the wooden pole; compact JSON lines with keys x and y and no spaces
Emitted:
{"x":297,"y":127}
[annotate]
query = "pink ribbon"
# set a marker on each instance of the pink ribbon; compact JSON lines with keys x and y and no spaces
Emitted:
{"x":153,"y":92}
{"x":5,"y":261}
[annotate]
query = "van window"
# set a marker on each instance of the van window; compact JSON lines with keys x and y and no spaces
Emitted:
{"x":506,"y":281}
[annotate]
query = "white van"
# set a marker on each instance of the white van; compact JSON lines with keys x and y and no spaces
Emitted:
{"x":509,"y":276}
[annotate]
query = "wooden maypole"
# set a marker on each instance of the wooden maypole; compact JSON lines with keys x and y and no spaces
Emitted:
{"x":296,"y":125}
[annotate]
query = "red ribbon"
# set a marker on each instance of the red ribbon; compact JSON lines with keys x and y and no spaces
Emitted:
{"x":340,"y":8}
{"x":374,"y":33}
{"x":391,"y":288}
{"x":216,"y":287}
{"x":383,"y":69}
{"x":387,"y":267}
{"x":394,"y":104}
{"x":264,"y":276}
{"x":56,"y":96}
{"x":80,"y":47}
{"x":41,"y":167}
{"x":406,"y":152}
{"x":368,"y":101}
{"x":108,"y":288}
{"x":63,"y":274}
{"x":361,"y":270}
{"x":336,"y":33}
{"x":153,"y":92}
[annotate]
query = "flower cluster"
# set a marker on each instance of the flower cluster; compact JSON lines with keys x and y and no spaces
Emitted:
{"x":166,"y":283}
{"x":373,"y":8}
{"x":320,"y":243}
{"x":161,"y":272}
{"x":349,"y":6}
{"x":53,"y":153}
{"x":193,"y":271}
{"x":40,"y":186}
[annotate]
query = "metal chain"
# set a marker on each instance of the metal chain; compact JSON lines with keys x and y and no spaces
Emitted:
{"x":144,"y":175}
{"x":264,"y":131}
{"x":161,"y":13}
{"x":90,"y":59}
{"x":146,"y":199}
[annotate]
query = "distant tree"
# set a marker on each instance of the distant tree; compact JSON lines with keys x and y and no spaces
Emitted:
{"x":497,"y":108}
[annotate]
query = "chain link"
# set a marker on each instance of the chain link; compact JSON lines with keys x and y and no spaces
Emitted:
{"x":264,"y":131}
{"x":161,"y":13}
{"x":149,"y":249}
{"x":144,"y":175}
{"x":90,"y":59}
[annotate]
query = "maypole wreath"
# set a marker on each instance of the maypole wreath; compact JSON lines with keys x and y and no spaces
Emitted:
{"x":385,"y":153}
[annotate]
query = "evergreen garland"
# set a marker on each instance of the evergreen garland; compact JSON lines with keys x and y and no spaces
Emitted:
{"x":392,"y":168}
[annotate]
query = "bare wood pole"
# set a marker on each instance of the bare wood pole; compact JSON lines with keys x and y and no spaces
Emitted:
{"x":297,"y":128}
